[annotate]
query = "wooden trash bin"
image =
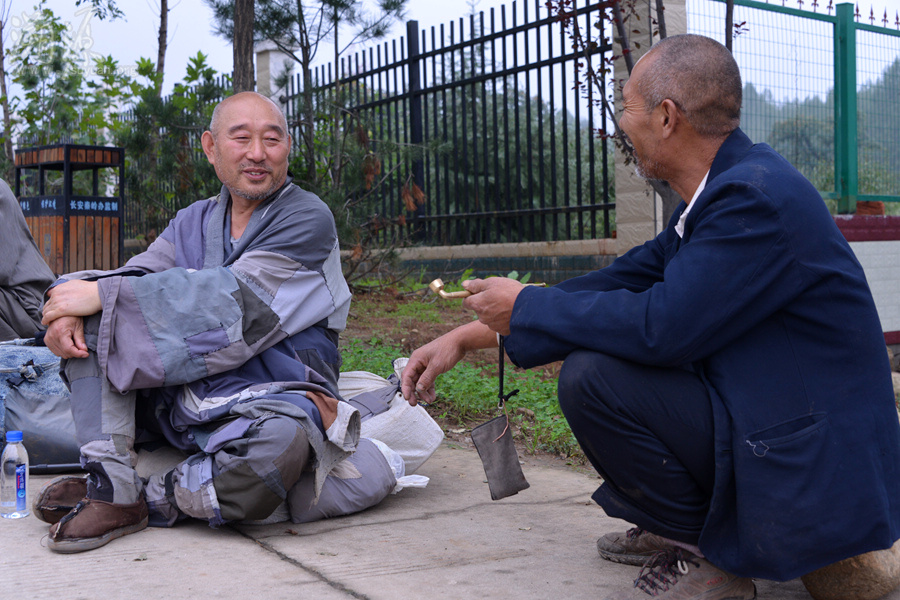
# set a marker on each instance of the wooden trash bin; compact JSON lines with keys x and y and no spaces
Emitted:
{"x":75,"y":227}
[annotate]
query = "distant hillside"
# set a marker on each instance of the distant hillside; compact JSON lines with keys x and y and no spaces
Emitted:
{"x":803,"y":131}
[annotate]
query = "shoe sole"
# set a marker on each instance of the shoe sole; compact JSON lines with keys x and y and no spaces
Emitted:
{"x":71,"y":546}
{"x":635,"y":560}
{"x":51,"y":514}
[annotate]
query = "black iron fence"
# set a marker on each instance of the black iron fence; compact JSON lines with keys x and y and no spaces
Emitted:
{"x":166,"y":167}
{"x":506,"y":139}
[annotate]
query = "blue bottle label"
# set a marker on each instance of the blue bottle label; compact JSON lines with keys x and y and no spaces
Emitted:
{"x":21,"y":493}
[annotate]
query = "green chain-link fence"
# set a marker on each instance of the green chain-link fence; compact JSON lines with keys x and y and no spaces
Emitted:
{"x":823,"y":88}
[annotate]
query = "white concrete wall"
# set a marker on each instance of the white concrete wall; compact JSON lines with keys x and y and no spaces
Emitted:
{"x":270,"y":63}
{"x":882,"y":265}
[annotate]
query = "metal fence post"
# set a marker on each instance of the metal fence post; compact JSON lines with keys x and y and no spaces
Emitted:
{"x":846,"y":159}
{"x":416,"y":135}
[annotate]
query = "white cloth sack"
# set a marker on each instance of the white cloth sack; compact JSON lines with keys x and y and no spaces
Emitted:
{"x":407,"y":430}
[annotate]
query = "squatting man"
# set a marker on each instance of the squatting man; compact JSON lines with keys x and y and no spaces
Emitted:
{"x":727,"y":379}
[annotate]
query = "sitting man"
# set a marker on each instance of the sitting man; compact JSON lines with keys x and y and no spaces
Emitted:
{"x":23,"y":273}
{"x":728,"y":379}
{"x":220,"y":340}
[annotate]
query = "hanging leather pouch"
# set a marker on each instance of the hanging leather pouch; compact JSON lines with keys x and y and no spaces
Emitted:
{"x":494,"y":443}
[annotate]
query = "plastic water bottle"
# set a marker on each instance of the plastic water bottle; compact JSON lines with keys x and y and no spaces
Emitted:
{"x":14,"y":478}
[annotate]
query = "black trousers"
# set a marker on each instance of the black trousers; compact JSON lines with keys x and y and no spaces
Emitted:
{"x":648,"y":431}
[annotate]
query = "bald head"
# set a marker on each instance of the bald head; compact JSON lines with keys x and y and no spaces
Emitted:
{"x":700,"y":76}
{"x":215,"y":124}
{"x":249,"y":145}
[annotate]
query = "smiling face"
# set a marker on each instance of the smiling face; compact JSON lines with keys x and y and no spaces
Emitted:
{"x":249,"y":146}
{"x":635,"y":122}
{"x":639,"y":125}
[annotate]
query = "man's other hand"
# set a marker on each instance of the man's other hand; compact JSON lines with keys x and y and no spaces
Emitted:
{"x":65,"y":338}
{"x":492,"y":300}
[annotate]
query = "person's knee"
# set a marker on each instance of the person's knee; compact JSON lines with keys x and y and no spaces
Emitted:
{"x":283,"y":443}
{"x":578,"y":379}
{"x":277,"y":449}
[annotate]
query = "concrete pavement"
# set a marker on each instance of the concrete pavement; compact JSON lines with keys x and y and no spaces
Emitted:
{"x":448,"y":540}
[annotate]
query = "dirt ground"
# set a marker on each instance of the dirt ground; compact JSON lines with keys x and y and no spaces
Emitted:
{"x":380,"y":314}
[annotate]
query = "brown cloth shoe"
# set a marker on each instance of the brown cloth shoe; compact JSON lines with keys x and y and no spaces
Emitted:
{"x":58,"y":497}
{"x":94,"y":523}
{"x":679,"y":575}
{"x":633,"y":547}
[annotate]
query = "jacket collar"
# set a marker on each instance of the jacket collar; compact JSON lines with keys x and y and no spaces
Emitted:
{"x":732,"y":150}
{"x":735,"y":146}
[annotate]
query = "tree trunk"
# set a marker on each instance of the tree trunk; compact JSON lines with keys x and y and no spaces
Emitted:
{"x":661,"y":19}
{"x":163,"y":44}
{"x":668,"y":197}
{"x":7,"y":127}
{"x":619,"y":20}
{"x":243,"y":78}
{"x":335,"y":125}
{"x":307,"y":125}
{"x":729,"y":23}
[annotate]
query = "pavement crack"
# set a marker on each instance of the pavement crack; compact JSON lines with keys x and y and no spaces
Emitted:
{"x":314,"y":572}
{"x":424,"y":516}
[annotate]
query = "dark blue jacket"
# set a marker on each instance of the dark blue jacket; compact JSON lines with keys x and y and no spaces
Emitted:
{"x":765,"y":299}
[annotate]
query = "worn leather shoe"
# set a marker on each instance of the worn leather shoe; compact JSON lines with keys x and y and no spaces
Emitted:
{"x":58,"y":497}
{"x":679,"y":575}
{"x":94,"y":523}
{"x":632,"y":547}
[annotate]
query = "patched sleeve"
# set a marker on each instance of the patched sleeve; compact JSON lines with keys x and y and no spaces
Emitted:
{"x":181,"y":325}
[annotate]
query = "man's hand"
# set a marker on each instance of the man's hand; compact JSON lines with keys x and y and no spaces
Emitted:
{"x":65,"y":338}
{"x":492,"y":300}
{"x":425,"y":364}
{"x":67,"y":304}
{"x":74,"y":298}
{"x":439,"y":356}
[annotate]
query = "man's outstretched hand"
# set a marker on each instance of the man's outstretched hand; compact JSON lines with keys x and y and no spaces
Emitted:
{"x":439,"y":356}
{"x":492,"y":300}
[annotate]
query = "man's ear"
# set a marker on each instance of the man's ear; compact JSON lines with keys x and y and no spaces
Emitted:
{"x":669,"y":115}
{"x":209,"y":147}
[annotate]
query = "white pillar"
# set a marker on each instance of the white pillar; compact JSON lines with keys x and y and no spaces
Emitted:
{"x":270,"y":64}
{"x":638,"y":209}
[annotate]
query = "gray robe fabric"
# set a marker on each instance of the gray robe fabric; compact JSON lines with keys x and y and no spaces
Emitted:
{"x":23,"y":273}
{"x":221,"y":334}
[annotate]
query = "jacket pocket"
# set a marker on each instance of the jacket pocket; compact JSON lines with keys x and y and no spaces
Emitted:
{"x":785,"y":438}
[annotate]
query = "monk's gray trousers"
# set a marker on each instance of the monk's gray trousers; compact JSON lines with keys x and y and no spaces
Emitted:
{"x":246,"y":477}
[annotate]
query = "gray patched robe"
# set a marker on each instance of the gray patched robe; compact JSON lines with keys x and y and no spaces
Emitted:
{"x":223,"y":331}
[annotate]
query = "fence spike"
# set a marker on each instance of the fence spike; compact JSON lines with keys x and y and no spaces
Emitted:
{"x":897,"y":19}
{"x":815,"y":5}
{"x":872,"y":15}
{"x":884,"y":20}
{"x":830,"y":6}
{"x":857,"y":15}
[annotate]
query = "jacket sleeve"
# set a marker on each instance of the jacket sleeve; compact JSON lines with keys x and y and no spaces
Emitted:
{"x":735,"y":270}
